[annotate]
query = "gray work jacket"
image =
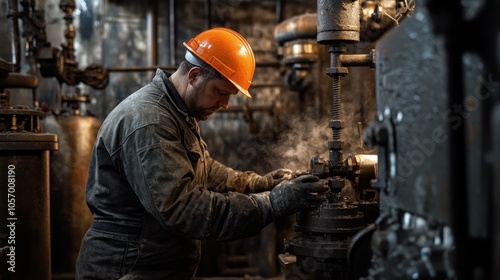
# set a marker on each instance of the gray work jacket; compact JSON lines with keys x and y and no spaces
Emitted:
{"x":155,"y":192}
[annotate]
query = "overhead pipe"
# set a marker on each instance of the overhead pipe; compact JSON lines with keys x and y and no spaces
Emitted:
{"x":297,"y":36}
{"x":248,"y":109}
{"x":174,"y":67}
{"x":140,"y":68}
{"x":298,"y":27}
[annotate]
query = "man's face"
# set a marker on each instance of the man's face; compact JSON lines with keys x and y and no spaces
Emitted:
{"x":208,"y":96}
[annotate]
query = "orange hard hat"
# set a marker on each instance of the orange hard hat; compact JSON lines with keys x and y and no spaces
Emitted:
{"x":228,"y":52}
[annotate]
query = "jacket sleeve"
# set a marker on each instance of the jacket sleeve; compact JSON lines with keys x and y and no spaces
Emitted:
{"x":225,"y":179}
{"x":163,"y":177}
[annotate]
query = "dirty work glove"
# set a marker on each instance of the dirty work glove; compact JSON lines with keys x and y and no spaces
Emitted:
{"x":298,"y":194}
{"x":270,"y":180}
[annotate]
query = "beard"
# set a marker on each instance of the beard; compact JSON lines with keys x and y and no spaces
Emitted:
{"x":195,"y":110}
{"x":202,"y":114}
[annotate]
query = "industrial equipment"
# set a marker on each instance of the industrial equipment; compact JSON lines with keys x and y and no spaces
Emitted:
{"x":50,"y":213}
{"x":437,"y":88}
{"x":24,"y":163}
{"x":328,"y":237}
{"x":437,"y":98}
{"x":424,"y":205}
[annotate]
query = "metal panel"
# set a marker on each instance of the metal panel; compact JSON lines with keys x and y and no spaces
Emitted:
{"x":411,"y":96}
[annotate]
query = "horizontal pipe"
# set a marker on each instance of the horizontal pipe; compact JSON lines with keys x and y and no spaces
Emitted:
{"x":357,"y":59}
{"x":173,"y":67}
{"x":19,"y":80}
{"x":298,"y":27}
{"x":253,"y":108}
{"x":266,"y":85}
{"x":139,"y":68}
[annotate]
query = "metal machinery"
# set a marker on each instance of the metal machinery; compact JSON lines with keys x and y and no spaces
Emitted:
{"x":25,"y":161}
{"x":51,"y":212}
{"x":25,"y":152}
{"x":436,"y":133}
{"x":77,"y":129}
{"x":333,"y":240}
{"x":437,"y":138}
{"x":431,"y":213}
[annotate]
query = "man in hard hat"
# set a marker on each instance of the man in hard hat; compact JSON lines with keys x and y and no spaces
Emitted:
{"x":152,"y":186}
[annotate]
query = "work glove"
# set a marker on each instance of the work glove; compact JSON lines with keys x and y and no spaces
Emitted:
{"x":269,"y":181}
{"x":301,"y":193}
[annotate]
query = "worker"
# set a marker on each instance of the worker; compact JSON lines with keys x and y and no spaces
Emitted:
{"x":153,"y":189}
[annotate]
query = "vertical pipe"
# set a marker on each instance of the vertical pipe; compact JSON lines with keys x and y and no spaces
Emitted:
{"x":279,"y":10}
{"x":208,"y":13}
{"x":152,"y":26}
{"x":15,"y":37}
{"x":68,"y":7}
{"x":39,"y":13}
{"x":338,"y":21}
{"x":172,"y":33}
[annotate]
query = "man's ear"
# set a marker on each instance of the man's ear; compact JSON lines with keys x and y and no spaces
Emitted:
{"x":193,"y":74}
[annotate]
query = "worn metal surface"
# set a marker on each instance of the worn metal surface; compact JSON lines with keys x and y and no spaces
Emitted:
{"x":410,"y":77}
{"x":338,"y":21}
{"x":434,"y":90}
{"x":25,"y":231}
{"x":70,"y":216}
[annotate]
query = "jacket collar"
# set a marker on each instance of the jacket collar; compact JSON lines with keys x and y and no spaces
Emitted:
{"x":174,"y":94}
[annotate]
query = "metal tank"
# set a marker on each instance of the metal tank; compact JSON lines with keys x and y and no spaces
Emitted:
{"x":70,"y":216}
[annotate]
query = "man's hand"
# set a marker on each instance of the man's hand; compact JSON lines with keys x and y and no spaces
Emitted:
{"x":301,"y":193}
{"x":270,"y":180}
